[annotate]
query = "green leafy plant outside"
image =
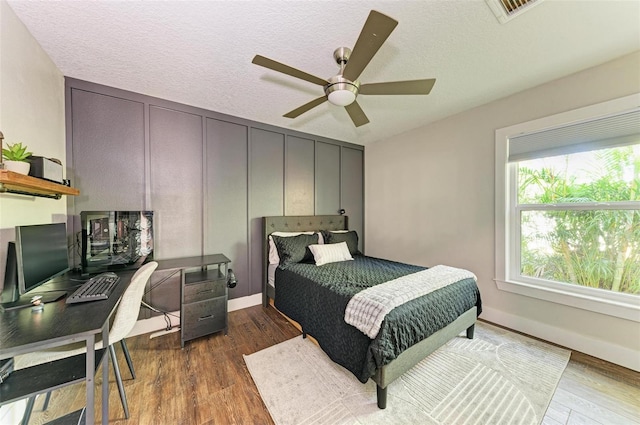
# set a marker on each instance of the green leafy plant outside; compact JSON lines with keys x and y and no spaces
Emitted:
{"x":593,"y":248}
{"x":16,"y":152}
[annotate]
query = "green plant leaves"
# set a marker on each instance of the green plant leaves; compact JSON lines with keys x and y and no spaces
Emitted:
{"x":16,"y":152}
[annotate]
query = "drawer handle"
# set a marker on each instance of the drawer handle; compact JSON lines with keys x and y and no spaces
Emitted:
{"x":205,"y":291}
{"x":209,"y":316}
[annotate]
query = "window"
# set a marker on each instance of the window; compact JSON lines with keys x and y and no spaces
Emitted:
{"x":579,"y":219}
{"x":568,"y":209}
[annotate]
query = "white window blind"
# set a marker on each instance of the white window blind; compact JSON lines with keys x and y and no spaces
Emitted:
{"x":616,"y":130}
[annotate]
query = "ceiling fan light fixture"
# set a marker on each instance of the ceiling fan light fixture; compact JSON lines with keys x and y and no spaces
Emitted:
{"x":342,"y":97}
{"x":341,"y":92}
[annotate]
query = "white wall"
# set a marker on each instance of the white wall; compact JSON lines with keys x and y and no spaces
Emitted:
{"x":31,"y":112}
{"x":430,"y":200}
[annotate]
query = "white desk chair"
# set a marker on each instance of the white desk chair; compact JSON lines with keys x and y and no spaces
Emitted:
{"x":123,"y":322}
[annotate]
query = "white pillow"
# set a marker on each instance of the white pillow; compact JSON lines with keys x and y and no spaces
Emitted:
{"x":332,"y":253}
{"x":274,"y":258}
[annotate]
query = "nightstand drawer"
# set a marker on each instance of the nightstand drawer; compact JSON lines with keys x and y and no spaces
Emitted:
{"x":204,"y":290}
{"x":204,"y":317}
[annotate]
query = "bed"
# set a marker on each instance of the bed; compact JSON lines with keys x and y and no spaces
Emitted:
{"x":317,"y":297}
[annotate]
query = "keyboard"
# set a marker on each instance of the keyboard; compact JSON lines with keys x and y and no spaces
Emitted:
{"x":97,"y":288}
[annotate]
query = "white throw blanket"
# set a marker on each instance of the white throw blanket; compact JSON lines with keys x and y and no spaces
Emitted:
{"x":368,"y":308}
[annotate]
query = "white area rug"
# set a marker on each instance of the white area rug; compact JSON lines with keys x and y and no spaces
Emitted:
{"x":499,"y":377}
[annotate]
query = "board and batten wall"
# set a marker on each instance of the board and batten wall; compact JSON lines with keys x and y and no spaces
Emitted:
{"x":441,"y":178}
{"x":209,"y":178}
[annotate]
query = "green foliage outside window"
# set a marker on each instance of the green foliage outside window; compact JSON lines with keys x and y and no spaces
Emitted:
{"x":589,"y":246}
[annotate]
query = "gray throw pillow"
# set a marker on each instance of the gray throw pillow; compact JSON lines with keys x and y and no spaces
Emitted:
{"x":350,"y":237}
{"x":294,"y":249}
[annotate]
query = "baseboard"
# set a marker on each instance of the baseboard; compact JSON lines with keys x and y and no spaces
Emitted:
{"x":603,"y":350}
{"x":158,"y":323}
{"x":244,"y":302}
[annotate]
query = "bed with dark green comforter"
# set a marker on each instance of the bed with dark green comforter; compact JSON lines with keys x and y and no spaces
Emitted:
{"x":316,"y":298}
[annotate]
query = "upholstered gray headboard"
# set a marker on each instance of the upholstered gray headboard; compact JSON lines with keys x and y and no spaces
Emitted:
{"x":299,"y":223}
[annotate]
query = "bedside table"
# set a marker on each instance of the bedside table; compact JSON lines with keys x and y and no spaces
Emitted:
{"x":203,"y":297}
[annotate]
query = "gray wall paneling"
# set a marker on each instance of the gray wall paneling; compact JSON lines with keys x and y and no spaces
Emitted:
{"x":299,"y":176}
{"x":352,"y":189}
{"x":176,"y":182}
{"x":266,"y":194}
{"x":209,"y":177}
{"x":108,"y":169}
{"x":176,"y":194}
{"x":327,"y":177}
{"x":226,"y":198}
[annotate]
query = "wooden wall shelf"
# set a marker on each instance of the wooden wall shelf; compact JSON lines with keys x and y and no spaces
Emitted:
{"x":11,"y":182}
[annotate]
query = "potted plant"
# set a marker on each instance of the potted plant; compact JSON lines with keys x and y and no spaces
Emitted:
{"x":15,"y":158}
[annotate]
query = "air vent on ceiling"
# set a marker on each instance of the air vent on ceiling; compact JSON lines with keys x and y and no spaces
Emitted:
{"x":506,"y":10}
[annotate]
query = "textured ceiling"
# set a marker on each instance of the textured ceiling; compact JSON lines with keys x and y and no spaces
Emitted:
{"x":199,"y":53}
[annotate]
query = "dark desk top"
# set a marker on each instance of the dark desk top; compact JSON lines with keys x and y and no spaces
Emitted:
{"x":22,"y":330}
{"x":191,"y":262}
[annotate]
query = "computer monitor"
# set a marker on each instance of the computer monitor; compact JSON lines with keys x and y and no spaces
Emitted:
{"x":42,"y":254}
{"x":39,"y":254}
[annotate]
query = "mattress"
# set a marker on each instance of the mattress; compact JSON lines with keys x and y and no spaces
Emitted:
{"x":316,"y":297}
{"x":271,"y":274}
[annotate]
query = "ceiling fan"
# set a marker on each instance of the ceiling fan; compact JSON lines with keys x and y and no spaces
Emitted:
{"x":343,"y":88}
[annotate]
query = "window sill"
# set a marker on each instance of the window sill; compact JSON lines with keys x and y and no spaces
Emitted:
{"x":559,"y":295}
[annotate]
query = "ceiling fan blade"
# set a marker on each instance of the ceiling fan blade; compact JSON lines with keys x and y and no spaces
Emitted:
{"x":304,"y":108}
{"x":286,"y":69}
{"x":399,"y":87}
{"x":357,"y":114}
{"x":373,"y":35}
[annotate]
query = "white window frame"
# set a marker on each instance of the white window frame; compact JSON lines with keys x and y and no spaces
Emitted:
{"x":507,"y":241}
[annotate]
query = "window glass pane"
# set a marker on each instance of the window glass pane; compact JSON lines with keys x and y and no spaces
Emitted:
{"x":605,"y":175}
{"x":597,"y":248}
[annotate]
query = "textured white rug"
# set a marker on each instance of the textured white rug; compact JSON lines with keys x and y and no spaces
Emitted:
{"x":499,"y":377}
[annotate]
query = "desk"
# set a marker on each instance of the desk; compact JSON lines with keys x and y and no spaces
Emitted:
{"x":23,"y":331}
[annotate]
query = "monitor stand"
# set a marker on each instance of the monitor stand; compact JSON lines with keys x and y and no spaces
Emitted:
{"x":25,"y":300}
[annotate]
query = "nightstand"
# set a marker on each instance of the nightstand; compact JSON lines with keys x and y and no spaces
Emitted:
{"x":203,"y":298}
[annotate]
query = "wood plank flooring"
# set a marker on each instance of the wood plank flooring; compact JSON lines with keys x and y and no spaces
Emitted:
{"x":208,"y":383}
{"x":593,"y":391}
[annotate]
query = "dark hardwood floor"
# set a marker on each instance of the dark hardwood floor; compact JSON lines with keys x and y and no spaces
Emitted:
{"x":207,"y":382}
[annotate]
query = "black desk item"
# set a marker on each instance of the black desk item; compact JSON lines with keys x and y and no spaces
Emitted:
{"x":23,"y":331}
{"x":97,"y":288}
{"x":25,"y":300}
{"x":6,"y":367}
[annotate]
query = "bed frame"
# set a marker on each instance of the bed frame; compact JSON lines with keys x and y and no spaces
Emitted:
{"x":408,"y":358}
{"x":303,"y":223}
